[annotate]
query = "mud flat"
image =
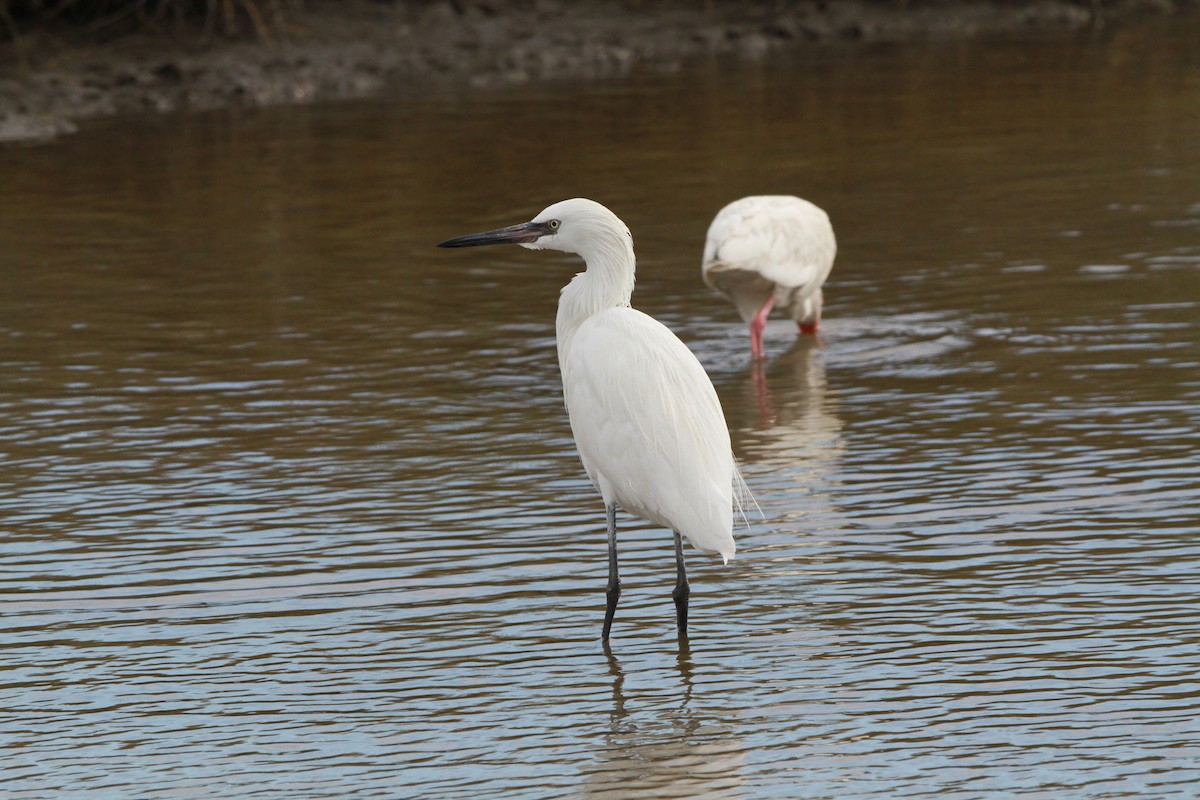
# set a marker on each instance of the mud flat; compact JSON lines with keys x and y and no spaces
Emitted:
{"x":354,"y":49}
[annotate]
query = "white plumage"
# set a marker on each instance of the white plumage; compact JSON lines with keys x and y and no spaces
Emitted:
{"x":646,"y":419}
{"x":648,"y":426}
{"x":770,"y":250}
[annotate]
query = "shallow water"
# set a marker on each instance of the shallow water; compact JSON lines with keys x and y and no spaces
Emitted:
{"x":291,"y":509}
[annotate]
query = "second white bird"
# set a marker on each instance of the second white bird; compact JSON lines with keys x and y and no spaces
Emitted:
{"x":770,"y":250}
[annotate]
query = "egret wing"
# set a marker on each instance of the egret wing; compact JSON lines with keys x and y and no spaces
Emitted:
{"x":649,"y":426}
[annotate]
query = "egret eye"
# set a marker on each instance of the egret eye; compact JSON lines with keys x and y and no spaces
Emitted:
{"x":553,"y":224}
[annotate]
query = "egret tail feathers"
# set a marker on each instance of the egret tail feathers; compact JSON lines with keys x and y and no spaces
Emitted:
{"x":743,"y":498}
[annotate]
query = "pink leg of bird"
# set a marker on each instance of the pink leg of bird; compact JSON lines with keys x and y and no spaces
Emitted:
{"x":756,"y":327}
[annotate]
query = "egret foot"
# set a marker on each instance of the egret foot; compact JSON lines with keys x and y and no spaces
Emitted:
{"x":613,"y":593}
{"x":682,"y":591}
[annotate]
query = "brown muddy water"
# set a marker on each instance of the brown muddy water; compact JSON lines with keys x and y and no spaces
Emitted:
{"x":291,"y":508}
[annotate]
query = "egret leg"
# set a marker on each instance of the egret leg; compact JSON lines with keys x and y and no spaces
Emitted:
{"x":757,"y":324}
{"x":682,"y":590}
{"x":613,"y":592}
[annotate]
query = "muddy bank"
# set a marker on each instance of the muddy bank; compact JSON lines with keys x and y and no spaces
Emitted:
{"x":357,"y":49}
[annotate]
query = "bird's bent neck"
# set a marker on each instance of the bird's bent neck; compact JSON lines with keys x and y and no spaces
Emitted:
{"x":606,"y":283}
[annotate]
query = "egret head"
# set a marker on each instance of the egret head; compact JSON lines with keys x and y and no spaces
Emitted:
{"x":573,"y":226}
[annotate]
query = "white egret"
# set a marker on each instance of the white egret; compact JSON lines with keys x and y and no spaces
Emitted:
{"x":645,"y":416}
{"x":769,"y":250}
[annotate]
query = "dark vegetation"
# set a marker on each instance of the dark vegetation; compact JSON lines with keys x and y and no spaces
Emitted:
{"x":109,"y":18}
{"x":268,"y":19}
{"x":64,"y":61}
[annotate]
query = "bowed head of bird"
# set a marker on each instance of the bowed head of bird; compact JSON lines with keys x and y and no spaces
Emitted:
{"x":770,"y":251}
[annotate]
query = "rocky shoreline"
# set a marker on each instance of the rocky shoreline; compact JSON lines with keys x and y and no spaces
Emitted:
{"x":355,"y":49}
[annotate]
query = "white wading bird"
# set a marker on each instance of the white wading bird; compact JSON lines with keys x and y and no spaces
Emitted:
{"x":646,"y":419}
{"x":770,"y":250}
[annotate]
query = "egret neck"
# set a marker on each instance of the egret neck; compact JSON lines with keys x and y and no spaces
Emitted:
{"x":606,"y":283}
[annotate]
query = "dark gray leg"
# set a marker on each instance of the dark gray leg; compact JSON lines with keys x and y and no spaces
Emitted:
{"x":613,"y":592}
{"x":682,"y":590}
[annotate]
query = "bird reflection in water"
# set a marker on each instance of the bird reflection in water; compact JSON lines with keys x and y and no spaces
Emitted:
{"x":683,"y":662}
{"x":788,"y":436}
{"x":792,"y":403}
{"x":618,"y":684}
{"x":799,"y":378}
{"x":665,"y":743}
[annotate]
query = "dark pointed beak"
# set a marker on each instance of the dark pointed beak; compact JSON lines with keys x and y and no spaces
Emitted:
{"x":514,"y":234}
